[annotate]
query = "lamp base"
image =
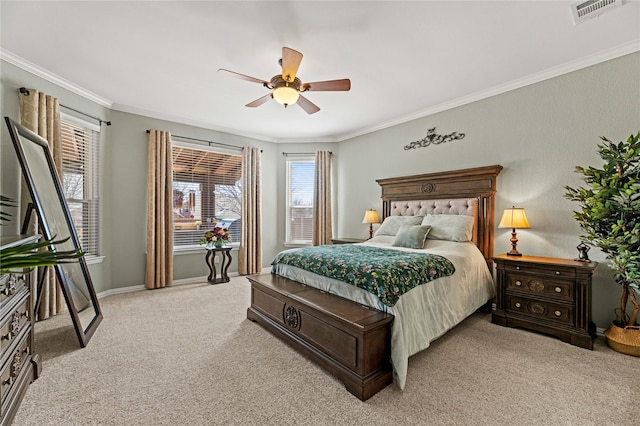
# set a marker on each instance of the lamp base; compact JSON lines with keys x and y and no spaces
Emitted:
{"x":514,"y":244}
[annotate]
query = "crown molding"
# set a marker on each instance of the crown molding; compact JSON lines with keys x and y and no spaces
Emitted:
{"x":187,"y":121}
{"x":616,"y":52}
{"x":613,"y":53}
{"x":34,"y":69}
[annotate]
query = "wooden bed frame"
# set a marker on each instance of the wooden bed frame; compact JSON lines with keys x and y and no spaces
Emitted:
{"x":351,"y":341}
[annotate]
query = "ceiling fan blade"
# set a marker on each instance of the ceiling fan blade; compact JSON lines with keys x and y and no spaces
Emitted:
{"x":290,"y":63}
{"x":327,"y":86}
{"x":307,"y":105}
{"x":242,"y":76}
{"x":259,"y":101}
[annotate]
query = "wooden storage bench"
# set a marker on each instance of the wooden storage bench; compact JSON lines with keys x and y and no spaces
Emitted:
{"x":349,"y":340}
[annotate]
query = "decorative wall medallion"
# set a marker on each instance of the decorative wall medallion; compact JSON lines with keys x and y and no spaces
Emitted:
{"x":536,"y":285}
{"x":291,"y":317}
{"x":433,"y":138}
{"x":428,"y":187}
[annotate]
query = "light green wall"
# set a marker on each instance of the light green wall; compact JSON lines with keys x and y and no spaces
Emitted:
{"x":537,"y":133}
{"x":126,"y":175}
{"x":11,"y":79}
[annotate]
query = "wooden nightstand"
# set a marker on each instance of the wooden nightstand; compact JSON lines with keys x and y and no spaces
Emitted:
{"x":347,"y":240}
{"x":545,"y":294}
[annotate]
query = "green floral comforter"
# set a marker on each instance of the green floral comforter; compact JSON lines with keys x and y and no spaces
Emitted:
{"x":387,"y":273}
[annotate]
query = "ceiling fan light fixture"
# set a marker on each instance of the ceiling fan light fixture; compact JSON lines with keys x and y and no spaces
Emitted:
{"x":286,"y":95}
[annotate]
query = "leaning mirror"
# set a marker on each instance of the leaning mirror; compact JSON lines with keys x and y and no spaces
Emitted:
{"x":55,"y":222}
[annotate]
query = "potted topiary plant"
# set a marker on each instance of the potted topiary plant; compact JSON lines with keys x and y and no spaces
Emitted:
{"x":610,"y":218}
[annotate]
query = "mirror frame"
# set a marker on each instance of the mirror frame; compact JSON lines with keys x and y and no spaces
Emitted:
{"x":20,"y":135}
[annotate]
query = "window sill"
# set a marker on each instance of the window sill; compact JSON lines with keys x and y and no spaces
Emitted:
{"x":296,"y":244}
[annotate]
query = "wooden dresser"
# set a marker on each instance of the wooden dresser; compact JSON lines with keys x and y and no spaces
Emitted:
{"x":19,"y":366}
{"x":545,"y":294}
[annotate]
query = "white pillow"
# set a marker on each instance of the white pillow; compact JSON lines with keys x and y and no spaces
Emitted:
{"x":391,"y":224}
{"x":449,"y":227}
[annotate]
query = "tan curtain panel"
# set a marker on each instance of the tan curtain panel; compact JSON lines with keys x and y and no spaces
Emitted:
{"x":250,"y":255}
{"x":321,"y":227}
{"x":40,"y":113}
{"x":159,"y":267}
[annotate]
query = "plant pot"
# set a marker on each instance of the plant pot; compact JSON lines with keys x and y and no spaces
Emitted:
{"x":624,"y":339}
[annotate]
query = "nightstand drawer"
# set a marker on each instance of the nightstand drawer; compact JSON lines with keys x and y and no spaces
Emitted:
{"x":541,"y":286}
{"x":540,"y":309}
{"x":551,"y":270}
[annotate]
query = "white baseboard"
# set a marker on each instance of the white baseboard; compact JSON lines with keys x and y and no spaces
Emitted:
{"x":142,"y":287}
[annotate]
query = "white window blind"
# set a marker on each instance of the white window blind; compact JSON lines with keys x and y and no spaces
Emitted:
{"x":300,"y":172}
{"x":206,"y":192}
{"x":80,"y":179}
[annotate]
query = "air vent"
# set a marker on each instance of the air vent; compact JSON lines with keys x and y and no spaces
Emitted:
{"x":586,"y":10}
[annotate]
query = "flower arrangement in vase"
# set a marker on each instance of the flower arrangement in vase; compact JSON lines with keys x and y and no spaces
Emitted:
{"x":216,"y":237}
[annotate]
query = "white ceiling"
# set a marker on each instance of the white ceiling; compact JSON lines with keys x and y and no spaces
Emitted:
{"x":405,"y":59}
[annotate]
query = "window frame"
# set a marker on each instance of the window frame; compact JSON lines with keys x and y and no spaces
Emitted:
{"x":299,"y":158}
{"x":92,"y":184}
{"x":196,"y":248}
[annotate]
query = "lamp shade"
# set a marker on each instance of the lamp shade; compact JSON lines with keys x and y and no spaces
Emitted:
{"x":514,"y":218}
{"x":370,"y":216}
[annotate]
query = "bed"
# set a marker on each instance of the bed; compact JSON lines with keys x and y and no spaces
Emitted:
{"x":378,"y":347}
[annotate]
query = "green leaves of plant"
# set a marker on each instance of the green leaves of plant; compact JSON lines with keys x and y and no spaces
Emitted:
{"x":610,"y":206}
{"x":28,"y":255}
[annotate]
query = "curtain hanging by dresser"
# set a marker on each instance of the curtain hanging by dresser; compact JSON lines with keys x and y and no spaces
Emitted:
{"x":40,"y":113}
{"x":321,"y":228}
{"x":159,"y":265}
{"x":250,"y":253}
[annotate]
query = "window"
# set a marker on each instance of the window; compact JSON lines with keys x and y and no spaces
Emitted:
{"x":80,"y":178}
{"x":300,"y":174}
{"x":207,"y":192}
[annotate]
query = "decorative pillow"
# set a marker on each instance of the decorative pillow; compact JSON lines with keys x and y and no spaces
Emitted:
{"x":391,"y":224}
{"x":449,"y":227}
{"x":411,"y":236}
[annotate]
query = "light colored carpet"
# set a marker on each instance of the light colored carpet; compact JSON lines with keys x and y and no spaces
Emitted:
{"x":187,"y":355}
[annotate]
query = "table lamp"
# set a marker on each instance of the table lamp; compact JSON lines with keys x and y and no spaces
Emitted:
{"x":370,"y":217}
{"x":514,"y":218}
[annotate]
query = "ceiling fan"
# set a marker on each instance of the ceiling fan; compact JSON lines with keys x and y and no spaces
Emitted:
{"x":287,"y":88}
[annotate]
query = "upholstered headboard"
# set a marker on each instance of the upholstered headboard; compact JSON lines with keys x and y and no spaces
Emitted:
{"x":467,"y":191}
{"x":456,"y":206}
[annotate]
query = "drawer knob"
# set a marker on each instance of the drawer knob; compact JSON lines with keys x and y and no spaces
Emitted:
{"x":518,"y":305}
{"x":518,"y":283}
{"x":558,"y":313}
{"x":558,"y":290}
{"x":517,"y":267}
{"x":557,"y":273}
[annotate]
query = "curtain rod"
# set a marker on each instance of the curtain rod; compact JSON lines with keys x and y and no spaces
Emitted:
{"x":239,"y":148}
{"x":25,"y":92}
{"x":286,"y":154}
